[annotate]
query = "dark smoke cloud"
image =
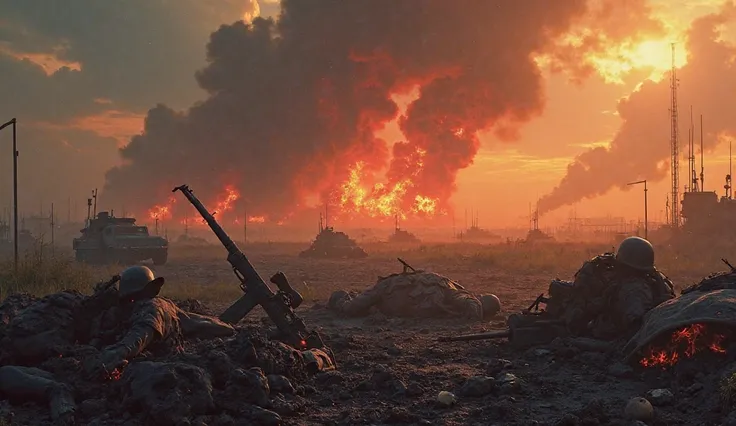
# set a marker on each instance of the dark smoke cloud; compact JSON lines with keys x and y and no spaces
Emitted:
{"x":640,"y":149}
{"x":294,"y":103}
{"x":132,"y":54}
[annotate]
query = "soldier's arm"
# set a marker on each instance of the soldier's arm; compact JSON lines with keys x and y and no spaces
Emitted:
{"x":135,"y":341}
{"x":361,"y":304}
{"x":634,"y":301}
{"x":203,"y":326}
{"x":152,"y":321}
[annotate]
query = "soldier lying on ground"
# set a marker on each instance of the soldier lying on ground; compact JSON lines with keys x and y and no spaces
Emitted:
{"x":152,"y":323}
{"x":416,"y":294}
{"x":611,"y":293}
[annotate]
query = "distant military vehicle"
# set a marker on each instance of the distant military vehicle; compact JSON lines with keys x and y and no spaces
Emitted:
{"x":109,"y":239}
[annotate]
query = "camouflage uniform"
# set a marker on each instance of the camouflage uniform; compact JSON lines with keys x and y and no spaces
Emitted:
{"x":608,"y":299}
{"x":153,"y":323}
{"x":411,"y":294}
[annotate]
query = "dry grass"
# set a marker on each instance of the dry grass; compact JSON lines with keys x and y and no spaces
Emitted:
{"x":203,"y":273}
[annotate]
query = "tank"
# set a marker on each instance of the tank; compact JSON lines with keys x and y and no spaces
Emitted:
{"x":108,"y":239}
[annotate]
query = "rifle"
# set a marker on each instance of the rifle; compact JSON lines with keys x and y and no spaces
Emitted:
{"x":279,"y":306}
{"x":533,"y":326}
{"x":524,"y":330}
{"x":407,"y":267}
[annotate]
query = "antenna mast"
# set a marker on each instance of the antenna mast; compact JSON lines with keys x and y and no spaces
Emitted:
{"x":675,"y":159}
{"x":702,"y":166}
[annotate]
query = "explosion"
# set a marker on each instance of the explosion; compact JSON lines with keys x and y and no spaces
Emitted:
{"x":684,"y":343}
{"x":295,"y":105}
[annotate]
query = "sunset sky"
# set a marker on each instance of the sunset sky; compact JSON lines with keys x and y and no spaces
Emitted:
{"x":82,"y":75}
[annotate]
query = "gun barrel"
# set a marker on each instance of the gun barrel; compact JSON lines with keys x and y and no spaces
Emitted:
{"x":216,"y":228}
{"x":498,"y":334}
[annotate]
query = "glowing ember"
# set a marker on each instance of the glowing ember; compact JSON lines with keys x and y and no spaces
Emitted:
{"x":256,"y":219}
{"x":684,"y":343}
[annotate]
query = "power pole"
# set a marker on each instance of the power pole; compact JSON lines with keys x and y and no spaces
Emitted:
{"x":674,"y":146}
{"x":702,"y":166}
{"x":13,"y":122}
{"x":52,"y":229}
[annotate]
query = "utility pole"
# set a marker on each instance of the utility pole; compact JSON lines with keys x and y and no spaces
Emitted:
{"x":52,"y":229}
{"x":646,"y":207}
{"x":674,"y":146}
{"x":13,"y":122}
{"x":702,"y":166}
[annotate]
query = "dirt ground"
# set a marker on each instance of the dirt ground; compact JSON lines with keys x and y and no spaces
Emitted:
{"x":390,"y":371}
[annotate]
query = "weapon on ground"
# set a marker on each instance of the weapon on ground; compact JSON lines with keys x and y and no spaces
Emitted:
{"x":279,"y":306}
{"x":728,"y":264}
{"x":533,"y":326}
{"x":524,"y":330}
{"x":406,"y":265}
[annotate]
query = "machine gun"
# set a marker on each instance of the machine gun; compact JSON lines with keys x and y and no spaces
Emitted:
{"x":279,"y":306}
{"x":532,"y":326}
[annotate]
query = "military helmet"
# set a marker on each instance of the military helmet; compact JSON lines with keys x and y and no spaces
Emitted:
{"x":491,"y":305}
{"x":135,"y":279}
{"x":636,"y":253}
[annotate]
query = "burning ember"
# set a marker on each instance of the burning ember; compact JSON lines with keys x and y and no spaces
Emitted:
{"x":684,"y":343}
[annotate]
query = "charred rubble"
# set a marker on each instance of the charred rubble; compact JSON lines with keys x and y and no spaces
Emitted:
{"x":45,"y":343}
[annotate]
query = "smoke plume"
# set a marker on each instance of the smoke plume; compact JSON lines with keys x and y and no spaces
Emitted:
{"x":641,"y":147}
{"x":294,"y":104}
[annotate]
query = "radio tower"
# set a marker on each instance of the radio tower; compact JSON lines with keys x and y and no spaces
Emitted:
{"x":674,"y":142}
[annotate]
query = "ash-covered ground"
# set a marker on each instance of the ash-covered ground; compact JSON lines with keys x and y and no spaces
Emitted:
{"x":389,"y":371}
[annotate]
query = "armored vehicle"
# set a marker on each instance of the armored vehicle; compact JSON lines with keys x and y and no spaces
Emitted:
{"x":109,"y":239}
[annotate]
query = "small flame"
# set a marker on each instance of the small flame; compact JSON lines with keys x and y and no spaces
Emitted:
{"x":256,"y":219}
{"x":684,"y":343}
{"x":162,"y":211}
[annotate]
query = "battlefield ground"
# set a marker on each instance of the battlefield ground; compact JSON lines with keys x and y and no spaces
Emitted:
{"x":390,"y":371}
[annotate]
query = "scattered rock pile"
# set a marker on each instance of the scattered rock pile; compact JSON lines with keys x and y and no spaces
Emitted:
{"x":331,"y":244}
{"x":244,"y":379}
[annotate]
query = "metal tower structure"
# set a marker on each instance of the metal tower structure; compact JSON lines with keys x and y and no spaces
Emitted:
{"x":675,"y":148}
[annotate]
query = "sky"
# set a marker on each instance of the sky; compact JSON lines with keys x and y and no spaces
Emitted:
{"x":374,"y":108}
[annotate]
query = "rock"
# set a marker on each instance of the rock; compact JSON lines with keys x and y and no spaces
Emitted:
{"x":250,"y":386}
{"x":542,"y":352}
{"x":639,"y":408}
{"x":660,"y":397}
{"x":477,"y":386}
{"x":167,"y":392}
{"x":730,"y":420}
{"x":446,"y":398}
{"x":508,"y":382}
{"x":496,"y":366}
{"x":694,"y":388}
{"x":93,"y":407}
{"x":620,"y":370}
{"x":280,"y":384}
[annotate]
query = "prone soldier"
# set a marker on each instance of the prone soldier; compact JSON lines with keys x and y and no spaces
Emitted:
{"x":418,"y":294}
{"x":611,"y":293}
{"x":151,"y":322}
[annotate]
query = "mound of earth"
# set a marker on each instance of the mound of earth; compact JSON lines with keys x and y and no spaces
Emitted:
{"x":244,"y":379}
